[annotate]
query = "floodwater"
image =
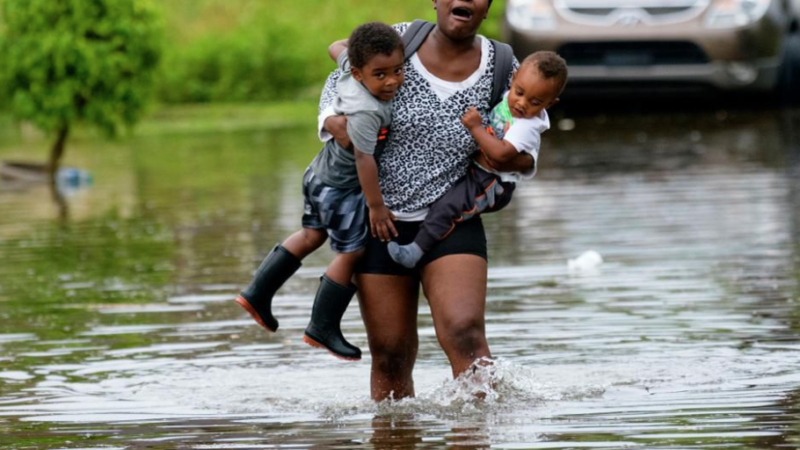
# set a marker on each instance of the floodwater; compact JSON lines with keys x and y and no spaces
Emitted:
{"x":119,"y":329}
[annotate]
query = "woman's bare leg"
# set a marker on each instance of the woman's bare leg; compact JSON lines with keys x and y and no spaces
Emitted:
{"x":389,"y":309}
{"x":455,"y":286}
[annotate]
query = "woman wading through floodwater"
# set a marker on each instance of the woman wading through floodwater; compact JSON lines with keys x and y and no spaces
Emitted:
{"x":428,"y":150}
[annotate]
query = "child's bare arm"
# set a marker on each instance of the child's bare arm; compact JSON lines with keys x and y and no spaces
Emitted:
{"x":495,"y":149}
{"x":522,"y":163}
{"x":336,"y":49}
{"x":380,"y":218}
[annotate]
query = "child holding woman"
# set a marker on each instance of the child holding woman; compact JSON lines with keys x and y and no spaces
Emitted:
{"x":338,"y":186}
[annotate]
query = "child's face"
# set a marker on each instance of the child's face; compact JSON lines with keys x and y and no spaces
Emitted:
{"x":530,"y":93}
{"x":382,"y":75}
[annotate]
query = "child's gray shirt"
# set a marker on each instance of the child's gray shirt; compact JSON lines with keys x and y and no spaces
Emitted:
{"x":366,"y":116}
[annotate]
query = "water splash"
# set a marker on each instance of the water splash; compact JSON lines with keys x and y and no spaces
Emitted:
{"x":500,"y":385}
{"x":495,"y":386}
{"x":257,"y":393}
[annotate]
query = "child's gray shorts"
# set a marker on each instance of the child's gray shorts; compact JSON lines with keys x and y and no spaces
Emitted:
{"x":341,"y":212}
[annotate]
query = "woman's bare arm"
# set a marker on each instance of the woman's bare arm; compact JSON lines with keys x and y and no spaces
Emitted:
{"x":336,"y":49}
{"x":337,"y":127}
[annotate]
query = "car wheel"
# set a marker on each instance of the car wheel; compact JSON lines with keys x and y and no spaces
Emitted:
{"x":789,"y":82}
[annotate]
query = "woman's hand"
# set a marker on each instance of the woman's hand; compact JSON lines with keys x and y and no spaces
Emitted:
{"x":381,"y":223}
{"x":472,"y":119}
{"x":337,"y":127}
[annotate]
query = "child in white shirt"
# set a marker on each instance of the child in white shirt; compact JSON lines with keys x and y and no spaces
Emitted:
{"x":516,"y":125}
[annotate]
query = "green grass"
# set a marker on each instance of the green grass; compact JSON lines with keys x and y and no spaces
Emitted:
{"x":188,"y":119}
{"x":226,"y":117}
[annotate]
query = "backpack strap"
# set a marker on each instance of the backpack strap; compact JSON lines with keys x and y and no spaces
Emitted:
{"x":418,"y":31}
{"x":503,"y":65}
{"x":415,"y":35}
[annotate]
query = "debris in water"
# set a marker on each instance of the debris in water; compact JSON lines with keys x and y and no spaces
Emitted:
{"x":587,"y":262}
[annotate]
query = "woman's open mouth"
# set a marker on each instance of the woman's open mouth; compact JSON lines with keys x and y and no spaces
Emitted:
{"x":463,"y":13}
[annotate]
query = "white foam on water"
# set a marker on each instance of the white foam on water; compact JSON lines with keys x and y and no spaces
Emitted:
{"x":92,"y":448}
{"x":148,"y":308}
{"x":61,"y":351}
{"x":567,"y":444}
{"x":15,"y":375}
{"x":17,"y":337}
{"x":167,"y":349}
{"x":203,"y":298}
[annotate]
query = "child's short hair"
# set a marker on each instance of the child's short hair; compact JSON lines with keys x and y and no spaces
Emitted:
{"x":370,"y":39}
{"x":549,"y":65}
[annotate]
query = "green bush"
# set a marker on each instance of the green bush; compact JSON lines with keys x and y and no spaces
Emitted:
{"x":69,"y":61}
{"x":265,"y":50}
{"x":3,"y":96}
{"x":248,"y":64}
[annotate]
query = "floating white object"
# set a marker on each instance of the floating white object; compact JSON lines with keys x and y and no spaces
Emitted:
{"x":588,"y":261}
{"x":566,"y":124}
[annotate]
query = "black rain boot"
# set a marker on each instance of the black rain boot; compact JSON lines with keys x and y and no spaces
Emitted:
{"x":276,"y":268}
{"x":324,"y":329}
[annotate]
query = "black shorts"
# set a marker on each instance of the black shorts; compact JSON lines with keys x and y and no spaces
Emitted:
{"x":468,"y":238}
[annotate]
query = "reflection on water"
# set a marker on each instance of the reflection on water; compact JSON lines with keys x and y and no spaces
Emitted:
{"x":119,"y":329}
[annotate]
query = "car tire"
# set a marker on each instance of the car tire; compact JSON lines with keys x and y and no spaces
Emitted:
{"x":789,"y":83}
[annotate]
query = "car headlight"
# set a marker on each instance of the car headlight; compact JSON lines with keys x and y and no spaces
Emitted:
{"x":735,"y":13}
{"x":531,"y":15}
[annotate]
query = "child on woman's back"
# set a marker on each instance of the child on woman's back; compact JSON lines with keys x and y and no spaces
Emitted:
{"x":517,"y":123}
{"x":337,"y":187}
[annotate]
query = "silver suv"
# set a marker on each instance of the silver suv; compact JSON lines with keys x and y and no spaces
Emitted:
{"x":748,"y":45}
